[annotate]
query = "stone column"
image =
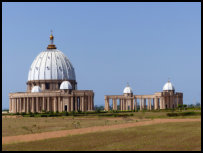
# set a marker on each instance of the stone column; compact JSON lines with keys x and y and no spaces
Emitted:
{"x":177,"y":101}
{"x":27,"y":105}
{"x":43,"y":104}
{"x":72,"y":103}
{"x":106,"y":104}
{"x":33,"y":110}
{"x":90,"y":103}
{"x":54,"y":104}
{"x":76,"y":104}
{"x":156,"y":103}
{"x":69,"y":104}
{"x":10,"y":104}
{"x":59,"y":104}
{"x":83,"y":104}
{"x":20,"y":105}
{"x":114,"y":104}
{"x":160,"y":103}
{"x":37,"y":104}
{"x":121,"y":105}
{"x":164,"y":103}
{"x":15,"y":105}
{"x":86,"y":103}
{"x":124,"y":105}
{"x":135,"y":104}
{"x":11,"y":107}
{"x":144,"y":103}
{"x":24,"y":105}
{"x":93,"y":103}
{"x":140,"y":103}
{"x":48,"y":104}
{"x":131,"y":105}
{"x":171,"y":101}
{"x":150,"y":104}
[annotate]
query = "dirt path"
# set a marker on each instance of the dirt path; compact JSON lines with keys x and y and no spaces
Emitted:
{"x":55,"y":134}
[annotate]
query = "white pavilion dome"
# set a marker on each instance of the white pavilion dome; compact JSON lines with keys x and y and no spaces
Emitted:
{"x":65,"y":85}
{"x":127,"y":89}
{"x":51,"y":64}
{"x":168,"y":86}
{"x":36,"y":89}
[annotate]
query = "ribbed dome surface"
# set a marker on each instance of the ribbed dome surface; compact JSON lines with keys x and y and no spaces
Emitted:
{"x":168,"y":86}
{"x":65,"y":85}
{"x":51,"y":64}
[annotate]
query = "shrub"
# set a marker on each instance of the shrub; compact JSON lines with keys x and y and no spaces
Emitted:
{"x":172,"y":114}
{"x":183,"y":114}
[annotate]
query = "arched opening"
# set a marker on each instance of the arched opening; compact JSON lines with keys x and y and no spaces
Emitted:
{"x":65,"y":108}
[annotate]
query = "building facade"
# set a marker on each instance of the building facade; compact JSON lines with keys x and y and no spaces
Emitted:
{"x":51,"y":86}
{"x":167,"y":99}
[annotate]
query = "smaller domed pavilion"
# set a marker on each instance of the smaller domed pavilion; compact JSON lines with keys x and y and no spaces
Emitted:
{"x":167,"y":99}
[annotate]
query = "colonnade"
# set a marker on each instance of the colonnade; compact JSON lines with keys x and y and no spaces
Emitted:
{"x":145,"y":102}
{"x":39,"y":104}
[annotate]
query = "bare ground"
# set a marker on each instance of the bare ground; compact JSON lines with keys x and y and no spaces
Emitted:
{"x":63,"y":133}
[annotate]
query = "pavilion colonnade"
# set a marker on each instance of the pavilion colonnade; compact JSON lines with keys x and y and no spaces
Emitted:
{"x":148,"y":102}
{"x":58,"y":103}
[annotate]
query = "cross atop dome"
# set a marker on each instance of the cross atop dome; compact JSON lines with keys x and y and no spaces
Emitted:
{"x":51,"y":45}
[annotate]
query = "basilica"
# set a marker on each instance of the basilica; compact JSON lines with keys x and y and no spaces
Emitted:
{"x":51,"y":86}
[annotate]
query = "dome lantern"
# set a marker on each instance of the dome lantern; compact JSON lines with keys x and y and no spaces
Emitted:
{"x":51,"y":45}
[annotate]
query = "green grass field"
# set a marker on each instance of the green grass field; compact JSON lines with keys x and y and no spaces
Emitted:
{"x":168,"y":136}
{"x":28,"y":125}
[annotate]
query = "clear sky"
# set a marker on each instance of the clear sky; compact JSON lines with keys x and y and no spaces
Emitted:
{"x":109,"y":44}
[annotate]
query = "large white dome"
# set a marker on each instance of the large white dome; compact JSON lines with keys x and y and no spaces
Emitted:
{"x":51,"y":64}
{"x":168,"y":86}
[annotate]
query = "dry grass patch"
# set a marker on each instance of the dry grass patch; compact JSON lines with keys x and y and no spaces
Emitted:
{"x":166,"y":136}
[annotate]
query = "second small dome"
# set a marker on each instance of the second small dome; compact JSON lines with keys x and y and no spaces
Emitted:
{"x":65,"y":85}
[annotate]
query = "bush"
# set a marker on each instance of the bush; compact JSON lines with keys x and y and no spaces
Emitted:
{"x":172,"y":114}
{"x":64,"y":113}
{"x":97,"y":111}
{"x":183,"y":114}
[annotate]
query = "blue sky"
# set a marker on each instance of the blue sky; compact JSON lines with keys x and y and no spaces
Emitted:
{"x":109,"y":44}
